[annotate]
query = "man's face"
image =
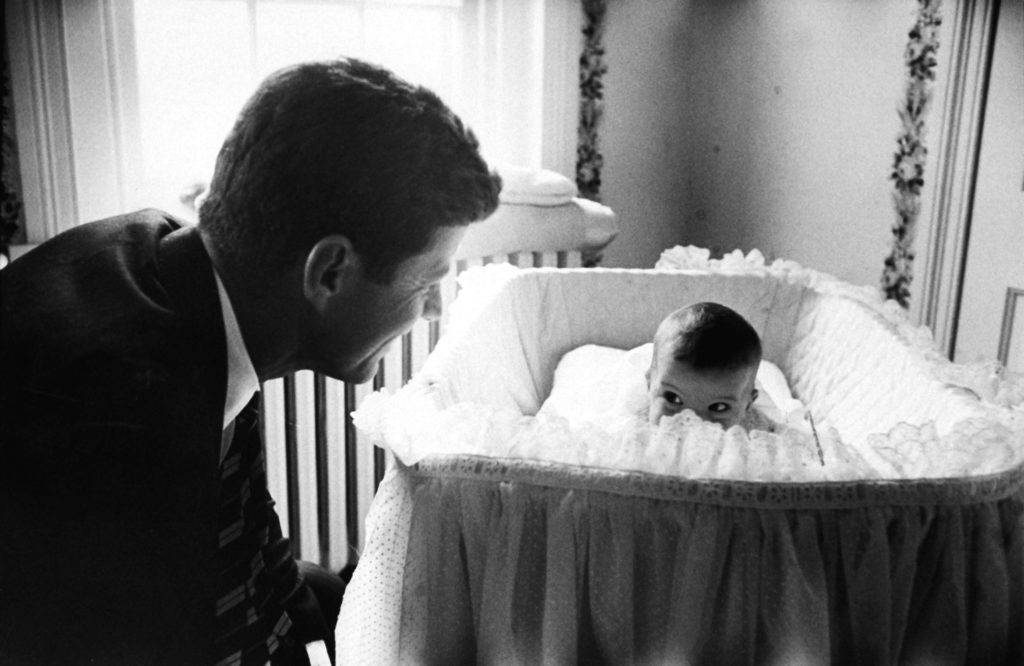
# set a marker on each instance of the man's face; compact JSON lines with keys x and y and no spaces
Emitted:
{"x":355,"y":332}
{"x":719,"y":396}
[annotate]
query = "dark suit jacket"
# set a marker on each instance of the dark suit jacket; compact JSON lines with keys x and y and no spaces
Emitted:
{"x":112,"y":389}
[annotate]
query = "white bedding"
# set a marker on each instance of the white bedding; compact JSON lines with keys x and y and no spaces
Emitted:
{"x":505,"y":534}
{"x":603,"y":384}
{"x":885,"y":404}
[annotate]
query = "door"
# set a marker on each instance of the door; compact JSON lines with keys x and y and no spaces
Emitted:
{"x":991,"y":315}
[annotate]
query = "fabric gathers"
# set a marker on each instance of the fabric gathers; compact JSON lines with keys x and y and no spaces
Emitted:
{"x":506,"y":535}
{"x":514,"y":562}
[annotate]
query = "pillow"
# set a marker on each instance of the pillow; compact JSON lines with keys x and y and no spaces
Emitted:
{"x":599,"y":384}
{"x":603,"y":384}
{"x":534,"y":187}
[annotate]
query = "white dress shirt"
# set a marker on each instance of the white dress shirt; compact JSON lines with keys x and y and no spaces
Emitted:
{"x":243,"y":383}
{"x":242,"y":379}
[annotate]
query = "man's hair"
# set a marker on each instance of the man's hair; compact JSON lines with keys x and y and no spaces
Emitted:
{"x":343,"y":147}
{"x":708,"y":336}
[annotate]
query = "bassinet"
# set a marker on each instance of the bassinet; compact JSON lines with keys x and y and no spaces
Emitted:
{"x":499,"y":537}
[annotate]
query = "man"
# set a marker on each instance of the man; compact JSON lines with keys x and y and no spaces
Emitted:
{"x":135,"y":523}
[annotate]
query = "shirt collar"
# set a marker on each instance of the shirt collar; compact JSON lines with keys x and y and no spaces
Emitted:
{"x":242,"y":379}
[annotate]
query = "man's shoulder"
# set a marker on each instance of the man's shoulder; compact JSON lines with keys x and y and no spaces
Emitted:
{"x":110,"y":329}
{"x":93,"y":302}
{"x":141,"y":224}
{"x":148,"y":225}
{"x":113,"y":238}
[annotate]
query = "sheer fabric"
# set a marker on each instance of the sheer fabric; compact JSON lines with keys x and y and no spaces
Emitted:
{"x":504,"y":536}
{"x":495,"y":561}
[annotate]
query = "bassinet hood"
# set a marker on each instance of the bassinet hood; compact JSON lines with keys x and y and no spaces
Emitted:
{"x":886,"y":403}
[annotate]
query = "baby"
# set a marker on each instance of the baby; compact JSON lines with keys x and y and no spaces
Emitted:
{"x":705,"y":358}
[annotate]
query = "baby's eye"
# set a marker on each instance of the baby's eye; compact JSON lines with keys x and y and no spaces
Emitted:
{"x":718,"y":407}
{"x":672,"y":398}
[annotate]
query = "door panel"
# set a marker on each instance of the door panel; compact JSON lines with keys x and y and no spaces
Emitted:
{"x":991,"y":321}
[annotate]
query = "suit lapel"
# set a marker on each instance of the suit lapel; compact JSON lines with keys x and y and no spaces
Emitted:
{"x":186,"y":273}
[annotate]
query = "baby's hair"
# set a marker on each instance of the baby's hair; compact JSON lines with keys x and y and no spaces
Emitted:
{"x":709,"y":336}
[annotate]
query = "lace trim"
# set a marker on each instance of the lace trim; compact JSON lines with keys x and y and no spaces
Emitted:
{"x":427,"y":419}
{"x":743,"y":494}
{"x":413,"y":426}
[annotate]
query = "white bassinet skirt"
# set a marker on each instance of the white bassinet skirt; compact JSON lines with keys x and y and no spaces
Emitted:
{"x":501,"y":537}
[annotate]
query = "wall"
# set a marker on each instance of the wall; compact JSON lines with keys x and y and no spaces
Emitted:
{"x":642,"y":136}
{"x":734,"y":123}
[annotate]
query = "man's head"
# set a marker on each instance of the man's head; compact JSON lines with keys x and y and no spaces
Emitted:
{"x":346,"y":189}
{"x":705,"y":359}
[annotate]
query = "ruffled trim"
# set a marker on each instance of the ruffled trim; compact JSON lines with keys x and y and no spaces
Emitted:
{"x":414,"y":426}
{"x":421,"y":421}
{"x":837,"y":495}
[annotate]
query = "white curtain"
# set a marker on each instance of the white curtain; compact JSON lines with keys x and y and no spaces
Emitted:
{"x":125,"y":104}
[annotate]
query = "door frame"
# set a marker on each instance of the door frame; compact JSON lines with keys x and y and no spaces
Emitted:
{"x":948,"y":204}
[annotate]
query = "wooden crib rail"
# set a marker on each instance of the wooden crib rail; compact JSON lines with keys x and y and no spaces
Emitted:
{"x":321,"y":477}
{"x":583,"y":226}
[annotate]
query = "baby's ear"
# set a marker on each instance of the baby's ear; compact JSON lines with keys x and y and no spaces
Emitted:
{"x":753,"y":397}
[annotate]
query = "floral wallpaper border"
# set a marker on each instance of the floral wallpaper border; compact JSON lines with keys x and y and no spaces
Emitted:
{"x":589,"y":160}
{"x":911,"y":151}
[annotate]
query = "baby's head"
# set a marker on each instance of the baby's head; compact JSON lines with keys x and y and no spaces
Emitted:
{"x":705,"y":359}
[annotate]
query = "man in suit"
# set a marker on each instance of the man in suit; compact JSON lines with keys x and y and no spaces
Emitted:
{"x":135,"y":522}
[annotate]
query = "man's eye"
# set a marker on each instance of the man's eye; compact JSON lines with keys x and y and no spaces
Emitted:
{"x":672,"y":398}
{"x":718,"y":407}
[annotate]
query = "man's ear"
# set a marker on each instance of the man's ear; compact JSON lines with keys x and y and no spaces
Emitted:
{"x":331,"y":265}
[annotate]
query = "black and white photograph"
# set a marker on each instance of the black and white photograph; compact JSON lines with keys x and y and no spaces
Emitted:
{"x":512,"y":332}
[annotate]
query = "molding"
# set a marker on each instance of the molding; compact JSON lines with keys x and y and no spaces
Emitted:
{"x":39,"y":87}
{"x":1013,"y":294}
{"x":950,"y":198}
{"x":75,"y":94}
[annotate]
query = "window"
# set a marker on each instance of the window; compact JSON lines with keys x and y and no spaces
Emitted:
{"x":124,"y":105}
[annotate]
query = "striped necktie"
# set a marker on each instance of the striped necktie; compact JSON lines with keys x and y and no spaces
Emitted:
{"x":251,"y":627}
